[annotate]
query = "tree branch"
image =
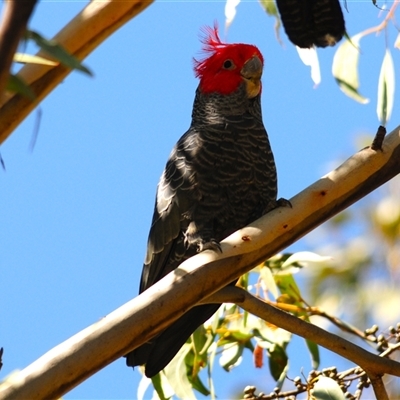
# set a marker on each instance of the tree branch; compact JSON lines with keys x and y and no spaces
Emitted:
{"x":14,"y":20}
{"x":371,"y":363}
{"x":79,"y":357}
{"x":95,"y":23}
{"x":378,"y":386}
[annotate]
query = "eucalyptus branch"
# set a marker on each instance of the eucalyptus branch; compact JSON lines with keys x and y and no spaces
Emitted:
{"x":315,"y":311}
{"x":95,"y":23}
{"x":374,"y":366}
{"x":134,"y":323}
{"x":366,"y":360}
{"x":378,"y":386}
{"x":341,"y":324}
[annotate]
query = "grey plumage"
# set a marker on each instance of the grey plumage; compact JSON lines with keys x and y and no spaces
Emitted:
{"x":219,"y":177}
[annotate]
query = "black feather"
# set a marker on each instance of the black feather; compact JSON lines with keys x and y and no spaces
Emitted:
{"x":312,"y":22}
{"x":219,"y":177}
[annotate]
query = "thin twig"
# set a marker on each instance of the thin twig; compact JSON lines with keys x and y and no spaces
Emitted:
{"x":383,"y":24}
{"x":366,"y":360}
{"x":378,"y":139}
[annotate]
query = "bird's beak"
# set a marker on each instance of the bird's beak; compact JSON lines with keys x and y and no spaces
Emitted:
{"x":251,"y":74}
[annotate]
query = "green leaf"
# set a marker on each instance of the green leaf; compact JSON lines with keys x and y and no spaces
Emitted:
{"x":197,"y":359}
{"x":278,"y":362}
{"x":200,"y":339}
{"x":271,"y":335}
{"x":314,"y":352}
{"x":345,"y":68}
{"x":304,"y":258}
{"x":198,"y":385}
{"x":17,"y":85}
{"x":327,"y":389}
{"x":290,"y":293}
{"x":231,"y":355}
{"x":287,"y":285}
{"x":29,"y":59}
{"x":270,"y":8}
{"x":386,"y":86}
{"x":275,"y":262}
{"x":58,"y":52}
{"x":240,"y":336}
{"x":269,"y":281}
{"x":176,"y":374}
{"x":160,"y":386}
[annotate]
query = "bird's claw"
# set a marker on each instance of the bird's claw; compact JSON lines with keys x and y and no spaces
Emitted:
{"x":281,"y":202}
{"x":212,"y":244}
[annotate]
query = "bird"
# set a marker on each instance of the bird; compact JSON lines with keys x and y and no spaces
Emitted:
{"x":311,"y":23}
{"x":220,"y":176}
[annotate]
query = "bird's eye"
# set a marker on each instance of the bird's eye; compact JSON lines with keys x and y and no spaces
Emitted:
{"x":228,"y":64}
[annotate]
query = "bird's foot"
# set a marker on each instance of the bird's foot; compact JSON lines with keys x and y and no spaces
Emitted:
{"x":198,"y":242}
{"x":281,"y":202}
{"x":212,"y":244}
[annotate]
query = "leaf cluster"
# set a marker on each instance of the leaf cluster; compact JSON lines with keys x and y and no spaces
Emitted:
{"x":54,"y":54}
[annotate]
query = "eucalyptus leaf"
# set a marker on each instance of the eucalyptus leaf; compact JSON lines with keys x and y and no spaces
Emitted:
{"x":271,"y":9}
{"x":231,"y":355}
{"x":144,"y":384}
{"x":199,"y":339}
{"x":198,"y":385}
{"x":386,"y":86}
{"x":17,"y":85}
{"x":287,"y":285}
{"x":345,"y":68}
{"x":273,"y":335}
{"x":30,"y":59}
{"x":58,"y":52}
{"x":176,"y":374}
{"x":327,"y":389}
{"x":314,"y":352}
{"x":161,"y":387}
{"x":309,"y":57}
{"x":269,"y":282}
{"x":230,"y":11}
{"x":278,"y":362}
{"x":304,"y":258}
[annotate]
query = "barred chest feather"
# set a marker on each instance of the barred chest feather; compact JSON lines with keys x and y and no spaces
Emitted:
{"x":227,"y":164}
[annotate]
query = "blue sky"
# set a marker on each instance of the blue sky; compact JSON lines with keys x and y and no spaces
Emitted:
{"x":75,"y":212}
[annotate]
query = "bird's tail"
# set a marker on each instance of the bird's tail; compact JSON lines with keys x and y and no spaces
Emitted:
{"x":161,"y":350}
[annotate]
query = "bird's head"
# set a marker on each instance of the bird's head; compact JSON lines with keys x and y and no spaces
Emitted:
{"x":226,"y":66}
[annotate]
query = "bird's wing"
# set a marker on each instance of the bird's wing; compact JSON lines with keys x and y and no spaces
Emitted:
{"x":174,"y":194}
